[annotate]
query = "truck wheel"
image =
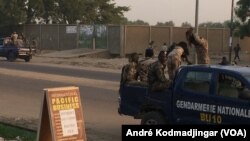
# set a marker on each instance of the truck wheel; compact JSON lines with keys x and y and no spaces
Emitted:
{"x":27,"y":59}
{"x":11,"y":56}
{"x":153,"y":118}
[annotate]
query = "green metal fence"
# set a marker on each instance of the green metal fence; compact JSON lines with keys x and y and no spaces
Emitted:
{"x":93,"y":36}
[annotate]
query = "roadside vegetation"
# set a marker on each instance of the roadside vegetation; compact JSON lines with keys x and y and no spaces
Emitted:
{"x":14,"y":133}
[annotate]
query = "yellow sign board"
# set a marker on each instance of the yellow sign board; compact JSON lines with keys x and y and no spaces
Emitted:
{"x":61,"y":117}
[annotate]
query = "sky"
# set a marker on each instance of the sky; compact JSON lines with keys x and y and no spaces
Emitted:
{"x":178,"y":11}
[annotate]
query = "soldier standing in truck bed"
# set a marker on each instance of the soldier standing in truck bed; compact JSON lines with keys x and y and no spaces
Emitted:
{"x":175,"y":57}
{"x":201,"y":46}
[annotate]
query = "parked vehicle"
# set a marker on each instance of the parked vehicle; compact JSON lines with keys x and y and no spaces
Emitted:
{"x":12,"y":52}
{"x":200,"y":94}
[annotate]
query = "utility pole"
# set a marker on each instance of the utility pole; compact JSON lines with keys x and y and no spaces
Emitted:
{"x":196,"y":26}
{"x":231,"y":33}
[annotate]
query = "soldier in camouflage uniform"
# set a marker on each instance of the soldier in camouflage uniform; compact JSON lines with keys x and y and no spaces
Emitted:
{"x":129,"y":71}
{"x":175,"y":57}
{"x":201,"y":46}
{"x":156,"y":76}
{"x":143,"y":67}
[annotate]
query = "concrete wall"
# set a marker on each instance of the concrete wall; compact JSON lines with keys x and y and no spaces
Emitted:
{"x":137,"y":38}
{"x":245,"y":45}
{"x":160,"y":35}
{"x":124,"y":39}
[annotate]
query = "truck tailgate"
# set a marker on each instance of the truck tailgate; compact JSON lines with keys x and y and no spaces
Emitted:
{"x":131,"y":99}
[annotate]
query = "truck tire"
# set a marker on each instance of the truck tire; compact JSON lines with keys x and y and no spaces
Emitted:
{"x":153,"y":118}
{"x":27,"y":59}
{"x":11,"y":56}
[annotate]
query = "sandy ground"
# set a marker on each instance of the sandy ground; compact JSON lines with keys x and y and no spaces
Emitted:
{"x":115,"y":63}
{"x":107,"y":63}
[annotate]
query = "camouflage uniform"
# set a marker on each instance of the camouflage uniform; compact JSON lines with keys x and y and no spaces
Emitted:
{"x":201,"y":47}
{"x":132,"y":72}
{"x":156,"y":77}
{"x":129,"y":73}
{"x":143,"y":69}
{"x":174,"y":61}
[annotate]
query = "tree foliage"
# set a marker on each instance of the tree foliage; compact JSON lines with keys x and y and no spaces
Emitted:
{"x":242,"y":11}
{"x":212,"y":25}
{"x":33,"y":10}
{"x":186,"y":24}
{"x":168,"y":23}
{"x":137,"y":22}
{"x":11,"y":12}
{"x":61,"y":11}
{"x":107,"y":12}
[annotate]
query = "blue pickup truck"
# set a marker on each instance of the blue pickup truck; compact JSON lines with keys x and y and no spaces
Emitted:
{"x":200,"y":94}
{"x":12,"y":52}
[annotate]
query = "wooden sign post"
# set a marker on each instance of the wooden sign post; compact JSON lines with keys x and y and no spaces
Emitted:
{"x":61,"y":117}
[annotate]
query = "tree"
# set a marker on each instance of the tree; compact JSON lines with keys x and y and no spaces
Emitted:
{"x":109,"y":13}
{"x":186,"y":24}
{"x":51,"y":10}
{"x":235,"y":24}
{"x":61,"y":11}
{"x":91,"y":12}
{"x":212,"y":25}
{"x":34,"y":10}
{"x":70,"y":11}
{"x":137,"y":22}
{"x":242,"y":10}
{"x":169,"y":23}
{"x":12,"y":12}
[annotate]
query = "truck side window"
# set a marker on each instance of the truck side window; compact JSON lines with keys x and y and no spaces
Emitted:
{"x":197,"y":82}
{"x":229,"y":86}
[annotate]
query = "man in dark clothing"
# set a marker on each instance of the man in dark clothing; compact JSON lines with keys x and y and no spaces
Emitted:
{"x":150,"y":49}
{"x":156,"y":76}
{"x":224,"y":61}
{"x":236,"y":52}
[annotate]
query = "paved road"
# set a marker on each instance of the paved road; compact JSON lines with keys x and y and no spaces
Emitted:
{"x":22,"y":91}
{"x":72,"y":71}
